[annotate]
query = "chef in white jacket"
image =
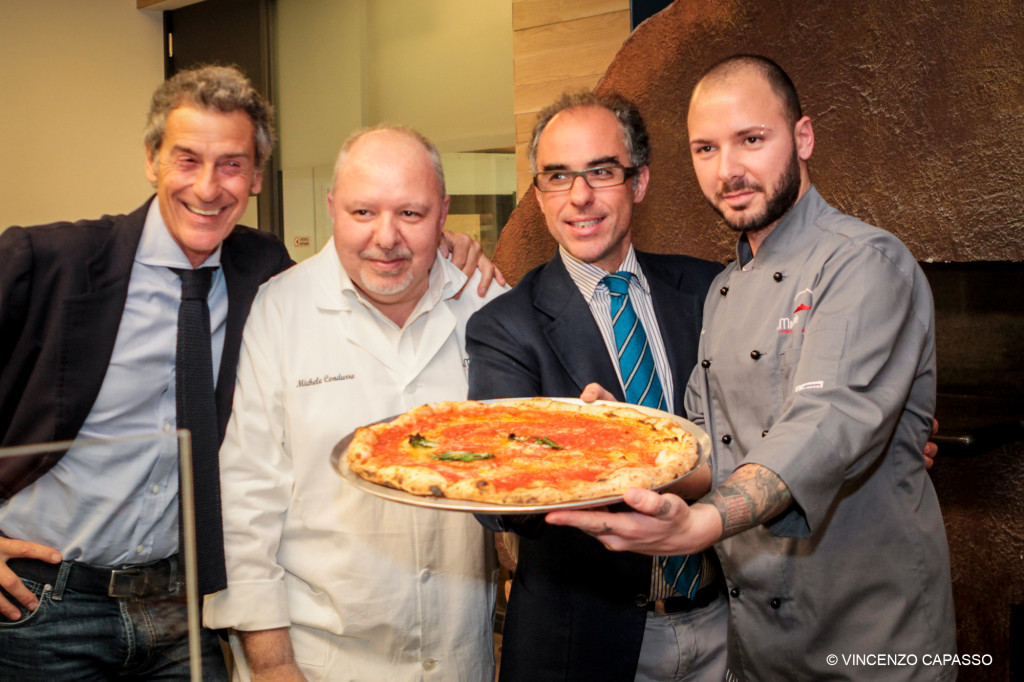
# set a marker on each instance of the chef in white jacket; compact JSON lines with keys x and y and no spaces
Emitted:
{"x":325,"y":581}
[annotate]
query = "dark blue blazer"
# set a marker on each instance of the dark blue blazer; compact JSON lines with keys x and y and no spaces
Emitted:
{"x":63,"y":288}
{"x":576,"y":610}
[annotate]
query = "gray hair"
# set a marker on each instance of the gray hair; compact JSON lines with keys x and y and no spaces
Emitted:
{"x":214,"y":88}
{"x":428,"y":147}
{"x":634,"y":132}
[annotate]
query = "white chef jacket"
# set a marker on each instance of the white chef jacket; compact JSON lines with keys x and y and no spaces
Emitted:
{"x":817,"y":361}
{"x":373,"y":589}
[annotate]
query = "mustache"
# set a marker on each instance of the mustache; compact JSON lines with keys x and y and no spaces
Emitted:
{"x":738,"y":185}
{"x":397,"y":253}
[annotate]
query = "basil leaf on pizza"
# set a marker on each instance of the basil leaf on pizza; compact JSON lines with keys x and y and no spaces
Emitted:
{"x":462,"y":456}
{"x":418,"y":441}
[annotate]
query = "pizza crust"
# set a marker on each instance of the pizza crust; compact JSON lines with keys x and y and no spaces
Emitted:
{"x":642,"y":451}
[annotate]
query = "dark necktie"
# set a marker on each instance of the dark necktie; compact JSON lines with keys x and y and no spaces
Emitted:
{"x":197,"y":412}
{"x":643,"y":387}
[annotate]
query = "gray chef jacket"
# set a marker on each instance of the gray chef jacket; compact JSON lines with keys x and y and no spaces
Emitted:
{"x":817,"y":361}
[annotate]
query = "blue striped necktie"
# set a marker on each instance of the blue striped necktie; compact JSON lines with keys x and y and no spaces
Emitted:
{"x":639,"y":378}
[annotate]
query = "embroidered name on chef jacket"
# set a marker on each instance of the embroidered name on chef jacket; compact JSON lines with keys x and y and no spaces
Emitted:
{"x":325,"y":379}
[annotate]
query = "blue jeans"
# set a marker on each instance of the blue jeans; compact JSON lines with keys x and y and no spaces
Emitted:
{"x":79,"y":636}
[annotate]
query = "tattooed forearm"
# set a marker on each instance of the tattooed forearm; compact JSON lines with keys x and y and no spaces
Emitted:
{"x":751,"y":496}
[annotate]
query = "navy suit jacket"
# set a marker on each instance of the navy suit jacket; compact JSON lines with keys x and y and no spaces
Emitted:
{"x":576,"y":610}
{"x":63,"y":288}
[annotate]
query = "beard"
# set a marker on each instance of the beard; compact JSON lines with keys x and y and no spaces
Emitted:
{"x":777,"y":202}
{"x":383,"y":285}
{"x":387,"y":288}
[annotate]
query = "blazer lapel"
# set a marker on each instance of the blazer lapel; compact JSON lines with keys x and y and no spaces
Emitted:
{"x":90,"y":322}
{"x":675,"y":311}
{"x":572,"y":333}
{"x":242,"y":283}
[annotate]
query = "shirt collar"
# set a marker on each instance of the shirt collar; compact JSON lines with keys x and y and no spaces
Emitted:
{"x":158,"y":248}
{"x":788,"y":229}
{"x":588,"y":276}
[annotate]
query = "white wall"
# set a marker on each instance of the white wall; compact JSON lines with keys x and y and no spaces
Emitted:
{"x":319,"y":77}
{"x":443,"y":67}
{"x":75,"y":83}
{"x":76,"y":77}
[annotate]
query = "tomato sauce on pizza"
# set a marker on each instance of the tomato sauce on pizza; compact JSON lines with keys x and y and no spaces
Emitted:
{"x":523,"y":451}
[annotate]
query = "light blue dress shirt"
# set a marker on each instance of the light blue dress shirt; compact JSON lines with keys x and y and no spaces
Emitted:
{"x":117,"y":503}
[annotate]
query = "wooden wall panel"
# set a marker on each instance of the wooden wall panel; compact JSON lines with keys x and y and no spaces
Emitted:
{"x":530,"y":13}
{"x":559,"y":45}
{"x":568,"y":48}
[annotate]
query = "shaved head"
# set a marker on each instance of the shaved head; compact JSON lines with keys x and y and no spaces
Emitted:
{"x":740,"y":64}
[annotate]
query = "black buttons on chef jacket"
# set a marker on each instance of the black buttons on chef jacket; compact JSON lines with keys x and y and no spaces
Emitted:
{"x":727,"y":439}
{"x":755,"y":354}
{"x":777,"y":276}
{"x":723,"y":291}
{"x":775,"y":603}
{"x":705,"y":363}
{"x":764,"y":433}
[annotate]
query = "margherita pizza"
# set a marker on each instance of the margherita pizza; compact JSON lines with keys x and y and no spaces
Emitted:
{"x":525,"y":451}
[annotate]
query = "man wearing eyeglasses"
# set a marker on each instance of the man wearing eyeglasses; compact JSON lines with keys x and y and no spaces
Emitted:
{"x":576,"y":610}
{"x":817,"y":385}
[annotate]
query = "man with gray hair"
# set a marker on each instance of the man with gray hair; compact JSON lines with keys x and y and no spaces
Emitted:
{"x":89,"y":317}
{"x":576,"y":610}
{"x":816,"y":385}
{"x":324,"y":580}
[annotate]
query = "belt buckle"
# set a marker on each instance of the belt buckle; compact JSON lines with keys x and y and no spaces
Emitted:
{"x":659,"y":608}
{"x":124,"y":582}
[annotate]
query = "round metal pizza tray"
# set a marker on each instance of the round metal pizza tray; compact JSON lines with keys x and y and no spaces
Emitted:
{"x":340,"y":464}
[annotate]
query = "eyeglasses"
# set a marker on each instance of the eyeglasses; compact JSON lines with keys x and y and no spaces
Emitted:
{"x":596,"y":178}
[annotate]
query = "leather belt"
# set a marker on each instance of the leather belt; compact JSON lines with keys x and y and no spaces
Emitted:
{"x":680,"y":604}
{"x":159,"y":578}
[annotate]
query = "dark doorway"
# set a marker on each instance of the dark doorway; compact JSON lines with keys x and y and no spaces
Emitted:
{"x":644,"y":9}
{"x":238,"y":32}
